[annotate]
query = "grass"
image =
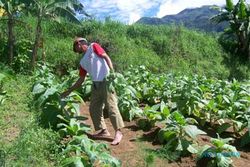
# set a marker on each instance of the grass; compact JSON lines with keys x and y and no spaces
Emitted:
{"x":148,"y":156}
{"x":22,"y":140}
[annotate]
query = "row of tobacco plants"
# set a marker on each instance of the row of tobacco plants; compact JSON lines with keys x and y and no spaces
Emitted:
{"x":63,"y":115}
{"x":179,"y":105}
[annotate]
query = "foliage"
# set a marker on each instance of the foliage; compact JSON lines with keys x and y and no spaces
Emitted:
{"x":21,"y":62}
{"x":60,"y":54}
{"x":127,"y":97}
{"x":12,"y":8}
{"x":218,"y":155}
{"x":88,"y":153}
{"x":72,"y":127}
{"x":179,"y":134}
{"x":36,"y":146}
{"x":237,"y":16}
{"x":23,"y":140}
{"x":160,"y":48}
{"x":46,"y":92}
{"x":65,"y":115}
{"x":50,"y":9}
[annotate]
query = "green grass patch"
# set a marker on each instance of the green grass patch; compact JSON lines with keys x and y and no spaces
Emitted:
{"x":22,"y":140}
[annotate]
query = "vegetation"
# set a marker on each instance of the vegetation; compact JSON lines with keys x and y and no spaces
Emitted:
{"x":238,"y":33}
{"x":50,"y":9}
{"x":160,"y":48}
{"x":64,"y":114}
{"x":219,"y":154}
{"x":22,"y":139}
{"x":11,"y":8}
{"x":178,"y":80}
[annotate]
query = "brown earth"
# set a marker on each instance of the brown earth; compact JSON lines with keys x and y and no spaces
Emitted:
{"x":132,"y":151}
{"x":9,"y":132}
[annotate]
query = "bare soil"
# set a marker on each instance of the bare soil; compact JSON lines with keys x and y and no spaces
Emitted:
{"x":9,"y":133}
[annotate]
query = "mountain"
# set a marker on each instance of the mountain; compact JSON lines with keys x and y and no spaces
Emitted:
{"x":196,"y":18}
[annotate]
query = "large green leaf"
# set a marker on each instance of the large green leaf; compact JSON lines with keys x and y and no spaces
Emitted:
{"x":193,"y":131}
{"x":223,"y":161}
{"x":203,"y":150}
{"x":49,"y":116}
{"x":192,"y":149}
{"x":72,"y":162}
{"x":179,"y":118}
{"x":242,"y":10}
{"x":229,"y":5}
{"x":107,"y":159}
{"x":229,"y":148}
{"x":43,"y":98}
{"x":38,"y":88}
{"x":165,"y":135}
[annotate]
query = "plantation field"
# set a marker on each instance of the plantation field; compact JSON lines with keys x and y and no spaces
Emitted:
{"x":170,"y":119}
{"x":184,"y":94}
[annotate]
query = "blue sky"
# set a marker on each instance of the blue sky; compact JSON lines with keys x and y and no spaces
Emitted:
{"x":129,"y":11}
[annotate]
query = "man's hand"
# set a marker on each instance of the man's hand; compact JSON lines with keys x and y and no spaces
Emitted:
{"x":110,"y":81}
{"x":76,"y":85}
{"x":111,"y":75}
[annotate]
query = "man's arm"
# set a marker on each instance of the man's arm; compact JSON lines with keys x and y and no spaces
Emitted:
{"x":100,"y":52}
{"x":108,"y":60}
{"x":76,"y":85}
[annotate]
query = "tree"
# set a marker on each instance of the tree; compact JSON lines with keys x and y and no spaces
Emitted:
{"x":238,"y":17}
{"x":51,"y":9}
{"x":11,"y":9}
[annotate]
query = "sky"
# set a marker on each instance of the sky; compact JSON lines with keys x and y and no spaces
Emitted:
{"x":129,"y":11}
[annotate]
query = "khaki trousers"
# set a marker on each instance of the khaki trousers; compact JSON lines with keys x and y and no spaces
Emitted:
{"x":100,"y":96}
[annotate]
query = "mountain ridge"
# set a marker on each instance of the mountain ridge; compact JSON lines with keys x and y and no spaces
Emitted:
{"x":194,"y":18}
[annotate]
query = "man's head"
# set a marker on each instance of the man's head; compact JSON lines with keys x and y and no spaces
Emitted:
{"x":80,"y":45}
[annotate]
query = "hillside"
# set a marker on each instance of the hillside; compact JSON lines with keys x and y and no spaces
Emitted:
{"x":163,"y":48}
{"x":197,"y":18}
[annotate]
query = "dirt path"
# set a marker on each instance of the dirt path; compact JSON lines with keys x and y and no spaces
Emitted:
{"x":127,"y":150}
{"x":131,"y":151}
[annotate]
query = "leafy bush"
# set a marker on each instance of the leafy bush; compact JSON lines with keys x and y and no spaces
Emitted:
{"x":86,"y":152}
{"x":218,"y":155}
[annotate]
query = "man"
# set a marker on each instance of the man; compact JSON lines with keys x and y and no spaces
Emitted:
{"x":97,"y":63}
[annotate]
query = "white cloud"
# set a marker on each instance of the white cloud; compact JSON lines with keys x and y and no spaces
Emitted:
{"x":133,"y":17}
{"x":129,"y":11}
